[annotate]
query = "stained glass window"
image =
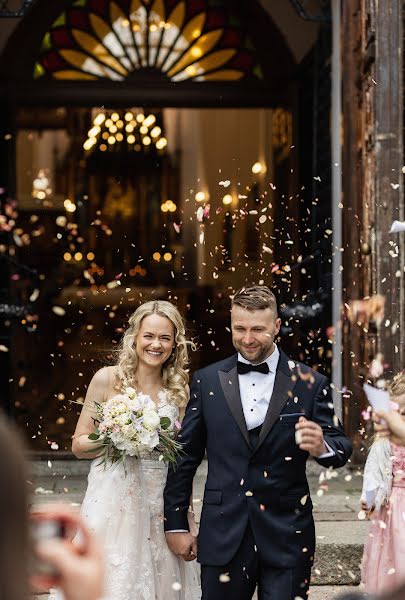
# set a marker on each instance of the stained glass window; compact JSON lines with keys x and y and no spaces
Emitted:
{"x":198,"y":40}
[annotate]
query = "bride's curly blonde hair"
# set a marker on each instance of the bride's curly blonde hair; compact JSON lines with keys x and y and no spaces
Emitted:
{"x":175,"y":376}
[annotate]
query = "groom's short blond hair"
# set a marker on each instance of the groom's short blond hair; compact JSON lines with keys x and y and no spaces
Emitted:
{"x":255,"y":297}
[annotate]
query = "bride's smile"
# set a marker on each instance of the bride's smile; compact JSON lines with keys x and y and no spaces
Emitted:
{"x":155,"y":340}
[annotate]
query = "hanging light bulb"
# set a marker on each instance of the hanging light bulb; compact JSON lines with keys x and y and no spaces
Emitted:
{"x":99,"y":119}
{"x":156,"y":131}
{"x":150,"y":119}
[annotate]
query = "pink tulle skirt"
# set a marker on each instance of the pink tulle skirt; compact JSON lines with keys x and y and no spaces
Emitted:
{"x":383,"y":564}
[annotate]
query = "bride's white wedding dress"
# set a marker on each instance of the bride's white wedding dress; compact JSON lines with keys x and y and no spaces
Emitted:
{"x":125,"y":512}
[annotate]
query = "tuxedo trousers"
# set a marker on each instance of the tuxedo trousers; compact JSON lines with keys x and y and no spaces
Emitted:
{"x":238,"y":579}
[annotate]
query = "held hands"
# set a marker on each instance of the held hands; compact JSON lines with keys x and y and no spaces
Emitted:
{"x":182,"y":544}
{"x":309,"y":437}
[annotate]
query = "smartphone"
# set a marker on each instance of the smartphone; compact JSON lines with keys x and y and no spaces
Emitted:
{"x":44,"y":528}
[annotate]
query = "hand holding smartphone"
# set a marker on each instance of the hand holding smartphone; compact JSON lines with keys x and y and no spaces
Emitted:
{"x":45,"y":526}
{"x":74,"y":566}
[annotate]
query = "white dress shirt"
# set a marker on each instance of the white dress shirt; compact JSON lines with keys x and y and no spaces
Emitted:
{"x":256,"y":390}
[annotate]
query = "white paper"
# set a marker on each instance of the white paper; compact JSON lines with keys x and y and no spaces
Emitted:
{"x":397,"y":226}
{"x":378,"y":399}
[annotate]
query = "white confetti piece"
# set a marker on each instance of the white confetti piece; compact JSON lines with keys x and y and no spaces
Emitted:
{"x":58,"y":310}
{"x":397,"y":226}
{"x":34,"y":295}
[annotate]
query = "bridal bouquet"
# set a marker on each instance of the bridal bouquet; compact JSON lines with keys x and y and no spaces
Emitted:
{"x":131,"y":423}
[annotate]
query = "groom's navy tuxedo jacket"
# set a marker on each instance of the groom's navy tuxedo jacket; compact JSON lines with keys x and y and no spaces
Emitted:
{"x":265,"y":485}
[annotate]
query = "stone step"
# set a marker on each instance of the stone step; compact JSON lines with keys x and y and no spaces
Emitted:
{"x":318,"y":592}
{"x":339,"y":533}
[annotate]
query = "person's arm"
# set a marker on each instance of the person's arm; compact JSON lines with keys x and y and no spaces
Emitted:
{"x":81,"y":445}
{"x":179,"y":483}
{"x":178,"y":490}
{"x":328,"y":437}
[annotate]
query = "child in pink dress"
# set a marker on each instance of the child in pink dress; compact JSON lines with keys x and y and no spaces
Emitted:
{"x":383,"y":498}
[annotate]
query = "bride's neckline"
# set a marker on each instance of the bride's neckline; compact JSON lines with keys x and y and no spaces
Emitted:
{"x":161,"y":396}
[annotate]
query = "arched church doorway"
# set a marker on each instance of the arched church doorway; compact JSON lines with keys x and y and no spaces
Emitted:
{"x":163,"y":149}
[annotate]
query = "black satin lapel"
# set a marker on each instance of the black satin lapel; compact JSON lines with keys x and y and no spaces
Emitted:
{"x":283,"y":386}
{"x":230,"y":386}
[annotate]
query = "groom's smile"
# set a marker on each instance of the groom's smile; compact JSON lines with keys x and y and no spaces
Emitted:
{"x":253,"y":332}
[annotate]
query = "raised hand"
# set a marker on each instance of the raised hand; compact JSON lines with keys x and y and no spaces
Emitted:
{"x":309,"y":437}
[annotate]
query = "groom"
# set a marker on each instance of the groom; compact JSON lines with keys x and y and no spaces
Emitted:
{"x":258,"y":415}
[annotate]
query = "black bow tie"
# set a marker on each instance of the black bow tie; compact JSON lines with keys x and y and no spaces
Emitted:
{"x":244,"y":368}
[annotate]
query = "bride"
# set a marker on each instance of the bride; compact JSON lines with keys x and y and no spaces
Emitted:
{"x":125,"y":508}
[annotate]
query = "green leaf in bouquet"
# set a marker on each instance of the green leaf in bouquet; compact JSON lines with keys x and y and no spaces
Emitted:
{"x":94,"y":436}
{"x":165,"y":422}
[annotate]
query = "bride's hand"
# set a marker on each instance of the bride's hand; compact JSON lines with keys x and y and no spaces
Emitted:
{"x":192,"y":524}
{"x":182,"y":544}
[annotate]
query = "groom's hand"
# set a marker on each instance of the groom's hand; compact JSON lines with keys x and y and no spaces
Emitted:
{"x":182,"y":544}
{"x":309,"y":437}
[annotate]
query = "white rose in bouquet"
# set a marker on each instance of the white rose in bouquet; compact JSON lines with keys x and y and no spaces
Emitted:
{"x":130,"y":392}
{"x":151,"y":419}
{"x":122,"y":419}
{"x":149,"y":439}
{"x":124,"y":444}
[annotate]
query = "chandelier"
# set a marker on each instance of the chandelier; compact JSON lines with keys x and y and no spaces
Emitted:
{"x":133,"y":130}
